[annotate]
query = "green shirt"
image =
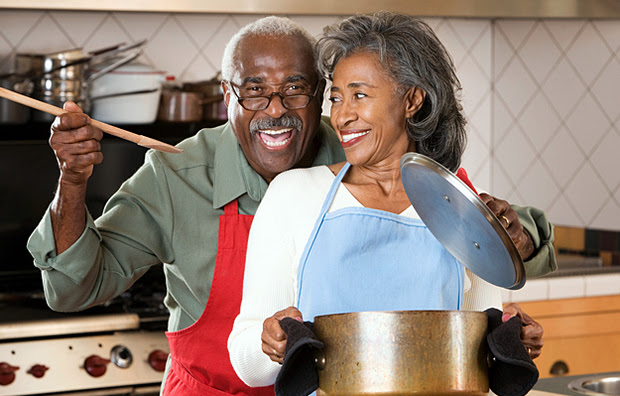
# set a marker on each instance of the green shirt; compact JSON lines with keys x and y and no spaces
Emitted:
{"x":167,"y":212}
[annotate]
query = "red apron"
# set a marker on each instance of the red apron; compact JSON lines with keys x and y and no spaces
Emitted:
{"x":200,"y":364}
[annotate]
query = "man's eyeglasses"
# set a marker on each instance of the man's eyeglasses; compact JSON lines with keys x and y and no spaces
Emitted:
{"x":256,"y":103}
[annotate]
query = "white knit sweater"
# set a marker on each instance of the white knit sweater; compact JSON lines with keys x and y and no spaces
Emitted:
{"x":280,"y":230}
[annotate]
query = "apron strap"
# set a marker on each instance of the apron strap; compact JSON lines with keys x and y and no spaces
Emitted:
{"x":231,"y":208}
{"x":332,"y":190}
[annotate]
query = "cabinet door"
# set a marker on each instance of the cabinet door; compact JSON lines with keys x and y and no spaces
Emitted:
{"x":581,"y":335}
{"x":579,"y":355}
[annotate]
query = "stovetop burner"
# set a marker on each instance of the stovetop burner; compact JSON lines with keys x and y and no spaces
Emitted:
{"x":144,"y":300}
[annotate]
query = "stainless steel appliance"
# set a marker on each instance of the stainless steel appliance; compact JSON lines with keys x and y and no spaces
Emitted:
{"x":43,"y":352}
{"x":118,"y":348}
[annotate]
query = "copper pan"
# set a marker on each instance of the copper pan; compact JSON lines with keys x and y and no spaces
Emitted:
{"x":403,"y":353}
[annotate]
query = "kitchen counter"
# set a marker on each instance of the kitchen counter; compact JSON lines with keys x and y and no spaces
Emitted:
{"x":568,"y":283}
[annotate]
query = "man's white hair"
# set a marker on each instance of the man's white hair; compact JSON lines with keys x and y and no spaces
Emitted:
{"x":269,"y":26}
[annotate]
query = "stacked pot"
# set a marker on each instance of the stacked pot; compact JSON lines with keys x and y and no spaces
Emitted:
{"x":57,"y":77}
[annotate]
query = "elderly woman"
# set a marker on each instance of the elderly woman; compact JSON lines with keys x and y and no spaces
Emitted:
{"x":345,"y":238}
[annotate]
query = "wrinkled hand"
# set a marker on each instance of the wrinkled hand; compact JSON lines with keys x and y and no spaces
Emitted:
{"x":273,"y":337}
{"x":532,"y":332}
{"x":510,"y":220}
{"x":76,"y":145}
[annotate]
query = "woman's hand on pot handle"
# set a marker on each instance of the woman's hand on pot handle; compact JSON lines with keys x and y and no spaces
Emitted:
{"x":510,"y":220}
{"x":532,"y":332}
{"x":273,"y":337}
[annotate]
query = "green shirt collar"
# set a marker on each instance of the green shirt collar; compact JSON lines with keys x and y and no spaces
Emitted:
{"x":234,"y":176}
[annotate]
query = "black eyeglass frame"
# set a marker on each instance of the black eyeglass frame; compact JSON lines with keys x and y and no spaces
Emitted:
{"x":283,"y":98}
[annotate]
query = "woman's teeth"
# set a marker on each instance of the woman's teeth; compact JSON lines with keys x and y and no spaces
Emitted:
{"x":351,"y":136}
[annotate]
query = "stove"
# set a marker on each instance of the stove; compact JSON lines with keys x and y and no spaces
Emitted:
{"x":119,"y":348}
{"x":113,"y":349}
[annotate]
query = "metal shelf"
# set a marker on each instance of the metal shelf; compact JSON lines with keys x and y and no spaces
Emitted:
{"x":168,"y":132}
{"x":427,"y":8}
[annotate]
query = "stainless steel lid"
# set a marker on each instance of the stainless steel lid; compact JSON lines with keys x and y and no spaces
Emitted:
{"x":462,"y":222}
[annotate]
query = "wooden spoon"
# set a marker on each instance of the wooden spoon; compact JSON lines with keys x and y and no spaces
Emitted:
{"x":112,"y":130}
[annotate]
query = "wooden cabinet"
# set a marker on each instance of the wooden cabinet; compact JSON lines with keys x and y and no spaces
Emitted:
{"x":581,"y":335}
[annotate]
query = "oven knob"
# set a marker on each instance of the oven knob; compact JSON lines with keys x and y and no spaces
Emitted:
{"x":96,"y":365}
{"x":157,"y":360}
{"x":121,"y":356}
{"x":7,"y":373}
{"x":38,"y":370}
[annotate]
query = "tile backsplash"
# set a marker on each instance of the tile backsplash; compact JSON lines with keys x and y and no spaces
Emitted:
{"x":540,"y":95}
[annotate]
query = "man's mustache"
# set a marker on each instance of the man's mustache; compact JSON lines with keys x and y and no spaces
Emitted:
{"x":286,"y":121}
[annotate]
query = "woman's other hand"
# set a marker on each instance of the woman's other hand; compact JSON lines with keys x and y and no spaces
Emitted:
{"x":510,"y":220}
{"x":532,"y":332}
{"x":273,"y":337}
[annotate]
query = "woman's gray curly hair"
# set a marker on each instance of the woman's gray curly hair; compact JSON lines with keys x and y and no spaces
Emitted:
{"x":413,"y":56}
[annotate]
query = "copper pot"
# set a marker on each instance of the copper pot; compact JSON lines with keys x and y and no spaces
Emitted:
{"x":180,"y":106}
{"x":403,"y":353}
{"x":214,"y":108}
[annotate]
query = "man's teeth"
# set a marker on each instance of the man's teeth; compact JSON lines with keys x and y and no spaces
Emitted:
{"x":351,"y":136}
{"x":275,"y":131}
{"x":276,"y":144}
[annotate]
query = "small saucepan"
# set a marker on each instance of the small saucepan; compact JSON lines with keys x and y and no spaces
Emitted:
{"x":11,"y":112}
{"x":214,"y":108}
{"x":181,"y":106}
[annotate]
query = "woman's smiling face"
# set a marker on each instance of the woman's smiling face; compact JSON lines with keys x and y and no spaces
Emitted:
{"x":368,"y":112}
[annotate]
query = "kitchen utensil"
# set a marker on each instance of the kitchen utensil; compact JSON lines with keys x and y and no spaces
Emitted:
{"x":129,"y":93}
{"x":403,"y":353}
{"x":112,"y":130}
{"x":139,"y":108}
{"x":462,"y":222}
{"x":180,"y":106}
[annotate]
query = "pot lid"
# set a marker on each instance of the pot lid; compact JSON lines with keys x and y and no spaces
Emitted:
{"x":462,"y":222}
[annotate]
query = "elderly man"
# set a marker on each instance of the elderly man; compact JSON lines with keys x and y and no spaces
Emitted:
{"x":192,"y":211}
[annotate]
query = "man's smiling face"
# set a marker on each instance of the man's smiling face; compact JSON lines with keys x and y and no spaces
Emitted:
{"x":274,"y":139}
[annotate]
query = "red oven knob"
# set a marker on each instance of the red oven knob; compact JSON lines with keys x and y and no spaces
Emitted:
{"x":38,"y":370}
{"x":96,"y":365}
{"x":7,"y":373}
{"x":157,"y":360}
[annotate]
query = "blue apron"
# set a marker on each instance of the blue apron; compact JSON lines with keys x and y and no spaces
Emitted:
{"x":362,"y":259}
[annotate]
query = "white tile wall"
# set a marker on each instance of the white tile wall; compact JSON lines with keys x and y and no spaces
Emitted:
{"x":556,"y":136}
{"x":537,"y":289}
{"x":540,"y":95}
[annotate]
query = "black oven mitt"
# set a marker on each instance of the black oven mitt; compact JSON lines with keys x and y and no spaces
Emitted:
{"x":298,"y":375}
{"x":512,"y":373}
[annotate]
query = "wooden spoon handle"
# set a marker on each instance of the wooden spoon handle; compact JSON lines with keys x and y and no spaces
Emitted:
{"x":112,"y":130}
